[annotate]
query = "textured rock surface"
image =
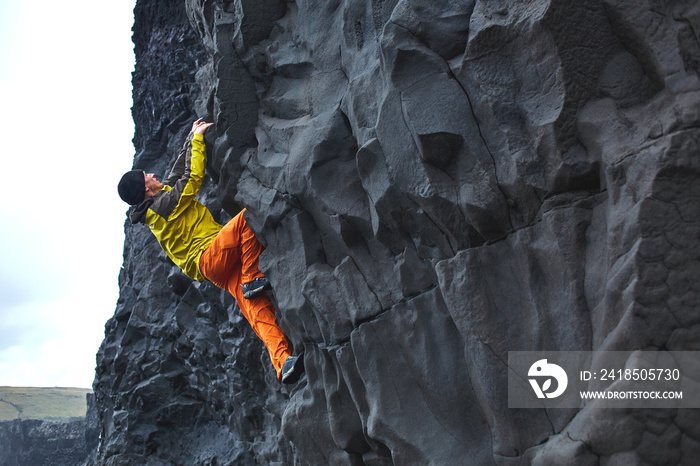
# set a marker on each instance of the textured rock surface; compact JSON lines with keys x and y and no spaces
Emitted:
{"x":437,"y":183}
{"x":33,"y":442}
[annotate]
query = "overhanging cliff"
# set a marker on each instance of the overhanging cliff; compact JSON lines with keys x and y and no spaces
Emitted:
{"x":437,"y":183}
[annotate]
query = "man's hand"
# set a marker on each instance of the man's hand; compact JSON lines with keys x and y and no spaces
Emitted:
{"x":199,"y":126}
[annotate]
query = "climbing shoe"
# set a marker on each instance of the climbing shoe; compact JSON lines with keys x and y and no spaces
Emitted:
{"x":256,"y":288}
{"x":293,"y":368}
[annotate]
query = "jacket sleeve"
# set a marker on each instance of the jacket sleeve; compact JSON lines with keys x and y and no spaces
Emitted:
{"x":170,"y":204}
{"x":187,"y":187}
{"x":179,"y":167}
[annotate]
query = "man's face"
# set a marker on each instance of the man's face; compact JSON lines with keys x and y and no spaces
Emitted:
{"x":152,"y":184}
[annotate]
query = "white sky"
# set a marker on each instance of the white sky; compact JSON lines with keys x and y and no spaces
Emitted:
{"x":65,"y":111}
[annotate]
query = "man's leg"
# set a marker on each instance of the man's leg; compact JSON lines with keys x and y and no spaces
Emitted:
{"x":249,"y":247}
{"x":261,"y":314}
{"x":230,"y":261}
{"x":253,"y":282}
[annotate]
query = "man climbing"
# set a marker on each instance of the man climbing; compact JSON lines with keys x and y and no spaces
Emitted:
{"x":204,"y":250}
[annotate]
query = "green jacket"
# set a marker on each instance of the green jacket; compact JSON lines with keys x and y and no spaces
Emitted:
{"x":183,"y":226}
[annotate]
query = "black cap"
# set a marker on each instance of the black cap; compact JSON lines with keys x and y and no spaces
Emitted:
{"x":132,"y":187}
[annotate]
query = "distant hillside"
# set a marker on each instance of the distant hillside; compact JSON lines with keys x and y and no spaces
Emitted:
{"x":42,"y":403}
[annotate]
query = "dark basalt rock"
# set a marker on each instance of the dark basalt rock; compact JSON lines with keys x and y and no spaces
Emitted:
{"x":35,"y":442}
{"x":436,"y":183}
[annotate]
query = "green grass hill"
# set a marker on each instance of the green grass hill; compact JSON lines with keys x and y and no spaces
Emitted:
{"x":42,"y":403}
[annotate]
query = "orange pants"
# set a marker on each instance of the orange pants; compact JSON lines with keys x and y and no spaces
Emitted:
{"x":232,"y":260}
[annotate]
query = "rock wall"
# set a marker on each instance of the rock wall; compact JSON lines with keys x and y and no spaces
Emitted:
{"x":34,"y":442}
{"x":436,"y":183}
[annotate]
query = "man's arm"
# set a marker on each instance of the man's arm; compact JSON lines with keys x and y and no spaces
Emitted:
{"x":187,"y":187}
{"x":179,"y":167}
{"x":180,"y":164}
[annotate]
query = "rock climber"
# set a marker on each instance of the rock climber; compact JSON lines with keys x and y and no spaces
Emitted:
{"x":205,"y":250}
